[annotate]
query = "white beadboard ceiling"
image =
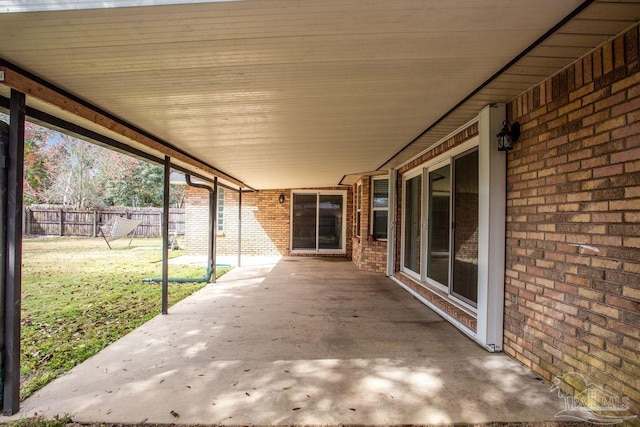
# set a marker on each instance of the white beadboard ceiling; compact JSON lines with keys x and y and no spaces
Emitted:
{"x":297,"y":93}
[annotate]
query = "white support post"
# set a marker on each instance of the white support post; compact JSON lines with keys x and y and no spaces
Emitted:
{"x":391,"y":222}
{"x":491,"y":237}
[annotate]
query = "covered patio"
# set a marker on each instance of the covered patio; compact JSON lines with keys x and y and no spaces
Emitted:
{"x":286,"y":103}
{"x":288,"y":343}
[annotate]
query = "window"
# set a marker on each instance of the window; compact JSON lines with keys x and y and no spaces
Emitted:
{"x":317,"y":224}
{"x":220,"y":227}
{"x":379,"y":207}
{"x":358,"y":209}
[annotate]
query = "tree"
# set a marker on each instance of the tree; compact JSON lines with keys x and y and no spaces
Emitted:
{"x":116,"y":173}
{"x":73,"y":165}
{"x":62,"y":169}
{"x":36,"y":176}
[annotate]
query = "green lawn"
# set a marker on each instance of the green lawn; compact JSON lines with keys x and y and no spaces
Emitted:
{"x":78,"y":297}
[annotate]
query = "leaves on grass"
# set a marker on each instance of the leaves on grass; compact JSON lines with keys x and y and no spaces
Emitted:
{"x":89,"y":299}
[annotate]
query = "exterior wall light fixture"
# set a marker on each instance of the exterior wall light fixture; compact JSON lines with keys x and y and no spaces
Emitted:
{"x":281,"y":198}
{"x":508,"y":135}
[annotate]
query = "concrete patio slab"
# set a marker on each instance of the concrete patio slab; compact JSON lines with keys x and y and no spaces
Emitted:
{"x":305,"y":341}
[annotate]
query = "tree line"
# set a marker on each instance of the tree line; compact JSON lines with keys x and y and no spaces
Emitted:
{"x":64,"y":170}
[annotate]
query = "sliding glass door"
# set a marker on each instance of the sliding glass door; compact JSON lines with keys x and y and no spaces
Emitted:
{"x":304,"y":221}
{"x":330,"y":221}
{"x":465,"y":235}
{"x":412,"y":196}
{"x":317,"y":220}
{"x":444,"y":235}
{"x":439,"y":224}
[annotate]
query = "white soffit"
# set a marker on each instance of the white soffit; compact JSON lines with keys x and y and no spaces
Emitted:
{"x":590,"y":28}
{"x":283,"y":94}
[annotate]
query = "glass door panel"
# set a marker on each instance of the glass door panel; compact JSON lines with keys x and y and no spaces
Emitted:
{"x":412,"y":219}
{"x":330,"y":222}
{"x":465,"y":250}
{"x":304,"y":221}
{"x":439,"y":224}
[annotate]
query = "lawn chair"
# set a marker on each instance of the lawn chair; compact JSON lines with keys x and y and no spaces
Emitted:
{"x":117,"y":228}
{"x":174,"y":244}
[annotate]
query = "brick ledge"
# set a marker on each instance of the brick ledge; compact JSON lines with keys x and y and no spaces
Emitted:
{"x":440,"y":302}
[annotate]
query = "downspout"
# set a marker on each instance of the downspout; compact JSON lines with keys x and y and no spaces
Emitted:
{"x":213,"y":193}
{"x":210,"y":275}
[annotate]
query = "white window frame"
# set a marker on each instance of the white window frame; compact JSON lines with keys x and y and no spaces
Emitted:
{"x":425,"y":209}
{"x":405,"y":177}
{"x":220,"y":211}
{"x":343,"y":230}
{"x":358,"y":221}
{"x":378,"y":209}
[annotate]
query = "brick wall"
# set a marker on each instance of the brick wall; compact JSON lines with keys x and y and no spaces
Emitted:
{"x":368,"y":255}
{"x":266,"y":223}
{"x":196,"y":221}
{"x":572,"y":300}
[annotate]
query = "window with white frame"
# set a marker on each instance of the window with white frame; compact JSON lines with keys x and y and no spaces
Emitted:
{"x":379,"y":207}
{"x":220,"y":225}
{"x":358,"y":209}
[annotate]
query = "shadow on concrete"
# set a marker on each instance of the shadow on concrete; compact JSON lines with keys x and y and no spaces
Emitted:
{"x":307,"y":341}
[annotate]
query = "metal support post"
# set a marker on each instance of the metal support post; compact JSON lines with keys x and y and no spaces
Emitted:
{"x":239,"y":227}
{"x":12,"y":254}
{"x":165,"y":236}
{"x":213,"y":211}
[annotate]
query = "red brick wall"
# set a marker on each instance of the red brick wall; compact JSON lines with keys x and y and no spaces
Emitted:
{"x":573,"y":223}
{"x":368,"y":255}
{"x":266,"y":223}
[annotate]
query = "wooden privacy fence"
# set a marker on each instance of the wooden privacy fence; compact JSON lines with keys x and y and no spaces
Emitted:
{"x":64,"y":221}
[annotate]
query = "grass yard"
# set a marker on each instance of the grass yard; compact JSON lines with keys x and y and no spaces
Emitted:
{"x":79,"y":296}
